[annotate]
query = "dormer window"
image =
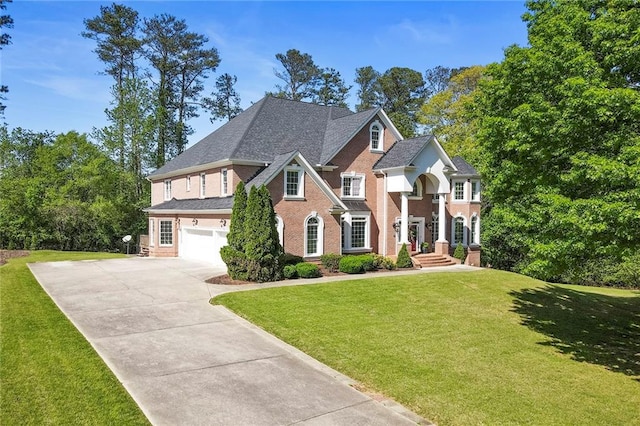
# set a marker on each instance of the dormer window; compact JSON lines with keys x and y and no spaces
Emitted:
{"x":375,"y":136}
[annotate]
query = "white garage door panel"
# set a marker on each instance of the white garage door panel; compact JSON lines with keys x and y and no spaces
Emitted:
{"x":202,"y":245}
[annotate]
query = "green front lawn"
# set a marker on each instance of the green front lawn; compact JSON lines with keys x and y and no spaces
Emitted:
{"x":49,"y":373}
{"x":485,"y":347}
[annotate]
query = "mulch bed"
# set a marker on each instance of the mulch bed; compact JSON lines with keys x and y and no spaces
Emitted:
{"x":5,"y":255}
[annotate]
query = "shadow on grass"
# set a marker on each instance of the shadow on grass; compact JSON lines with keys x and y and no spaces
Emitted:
{"x":593,"y":328}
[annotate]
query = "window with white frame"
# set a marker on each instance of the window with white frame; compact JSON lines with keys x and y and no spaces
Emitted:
{"x":457,"y":231}
{"x":435,"y":229}
{"x":224,"y":183}
{"x":352,"y":185}
{"x":375,"y":136}
{"x":475,"y":230}
{"x":313,"y":233}
{"x":188,"y":181}
{"x":475,"y":190}
{"x":293,"y":182}
{"x":416,"y":193}
{"x":458,"y":191}
{"x":435,"y":198}
{"x":152,"y":232}
{"x":167,"y":189}
{"x":166,"y":233}
{"x":203,"y":184}
{"x":355,"y":232}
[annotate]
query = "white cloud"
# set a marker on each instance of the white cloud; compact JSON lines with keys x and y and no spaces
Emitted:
{"x":83,"y":89}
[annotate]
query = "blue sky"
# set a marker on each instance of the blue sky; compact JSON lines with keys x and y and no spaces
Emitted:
{"x":54,"y":77}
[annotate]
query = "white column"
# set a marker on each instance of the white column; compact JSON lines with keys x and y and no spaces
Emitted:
{"x":442,"y":218}
{"x":404,"y":218}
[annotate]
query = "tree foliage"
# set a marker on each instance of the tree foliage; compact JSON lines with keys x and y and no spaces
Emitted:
{"x":330,"y":89}
{"x":367,"y":79}
{"x":224,"y":102}
{"x":559,"y":128}
{"x":6,"y":21}
{"x":449,"y":113}
{"x":299,"y":74}
{"x":58,"y":193}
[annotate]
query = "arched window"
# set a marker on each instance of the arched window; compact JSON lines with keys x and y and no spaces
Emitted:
{"x":313,"y":233}
{"x":457,"y":231}
{"x":435,"y":229}
{"x":375,"y":136}
{"x":475,"y":230}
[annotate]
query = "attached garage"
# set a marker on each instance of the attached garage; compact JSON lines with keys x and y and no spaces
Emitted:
{"x":202,"y":244}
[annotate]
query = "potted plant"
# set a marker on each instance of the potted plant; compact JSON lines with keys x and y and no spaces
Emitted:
{"x":424,"y":247}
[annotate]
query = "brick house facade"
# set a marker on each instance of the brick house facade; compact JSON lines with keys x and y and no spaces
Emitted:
{"x":341,"y":182}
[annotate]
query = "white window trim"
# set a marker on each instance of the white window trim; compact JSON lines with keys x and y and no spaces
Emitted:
{"x":465,"y":198}
{"x":300,"y":171}
{"x":167,"y":189}
{"x":380,"y":147}
{"x":476,"y":241}
{"x":203,"y":184}
{"x":454,"y":243}
{"x":152,"y":232}
{"x":420,"y":190}
{"x":478,"y":197}
{"x":160,"y":233}
{"x":320,"y":245}
{"x":224,"y":182}
{"x":347,"y":218}
{"x":188,"y":179}
{"x":362,"y":185}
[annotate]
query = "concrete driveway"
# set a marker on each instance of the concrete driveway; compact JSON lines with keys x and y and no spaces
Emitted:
{"x":187,"y":362}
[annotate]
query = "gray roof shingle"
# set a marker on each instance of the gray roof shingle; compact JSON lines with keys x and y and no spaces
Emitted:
{"x":402,"y":153}
{"x":213,"y":203}
{"x":274,"y":126}
{"x":267,"y":173}
{"x":464,"y":168}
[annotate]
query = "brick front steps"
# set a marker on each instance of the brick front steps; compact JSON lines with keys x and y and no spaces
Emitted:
{"x":431,"y":259}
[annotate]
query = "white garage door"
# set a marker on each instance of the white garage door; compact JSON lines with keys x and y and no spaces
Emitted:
{"x":202,"y":245}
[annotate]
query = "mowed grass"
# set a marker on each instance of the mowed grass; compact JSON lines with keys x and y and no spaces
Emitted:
{"x":49,"y":373}
{"x":485,"y":347}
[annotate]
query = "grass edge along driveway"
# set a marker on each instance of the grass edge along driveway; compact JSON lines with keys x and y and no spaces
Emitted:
{"x":49,"y":373}
{"x":486,"y":347}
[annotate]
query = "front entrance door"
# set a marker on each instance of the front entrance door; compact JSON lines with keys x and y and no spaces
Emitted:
{"x":414,"y":236}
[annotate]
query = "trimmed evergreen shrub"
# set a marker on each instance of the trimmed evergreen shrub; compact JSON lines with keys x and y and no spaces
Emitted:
{"x":351,"y":265}
{"x":291,"y":259}
{"x":236,"y":263}
{"x":235,"y":237}
{"x":331,"y":261}
{"x":308,"y":270}
{"x":290,"y":272}
{"x":458,"y":253}
{"x":404,"y":260}
{"x":368,"y":262}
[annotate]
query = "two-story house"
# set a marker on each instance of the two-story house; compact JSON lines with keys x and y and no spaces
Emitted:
{"x":341,"y":182}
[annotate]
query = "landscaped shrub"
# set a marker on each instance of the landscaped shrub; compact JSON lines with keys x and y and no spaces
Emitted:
{"x":290,"y":272}
{"x":331,"y":261}
{"x":458,"y":253}
{"x":628,"y":273}
{"x":351,"y":265}
{"x":378,"y":261}
{"x":292,"y":259}
{"x":388,"y":263}
{"x":308,"y":270}
{"x":368,"y":262}
{"x":236,"y":263}
{"x":404,"y":260}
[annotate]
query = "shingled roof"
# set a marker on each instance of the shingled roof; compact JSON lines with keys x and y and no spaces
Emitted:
{"x":403,"y":153}
{"x":464,"y":168}
{"x":274,"y":126}
{"x":192,"y":204}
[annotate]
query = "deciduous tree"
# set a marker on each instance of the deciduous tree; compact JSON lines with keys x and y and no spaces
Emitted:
{"x":560,"y":137}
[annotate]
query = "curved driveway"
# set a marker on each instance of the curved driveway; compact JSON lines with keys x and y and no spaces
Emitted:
{"x":187,"y":362}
